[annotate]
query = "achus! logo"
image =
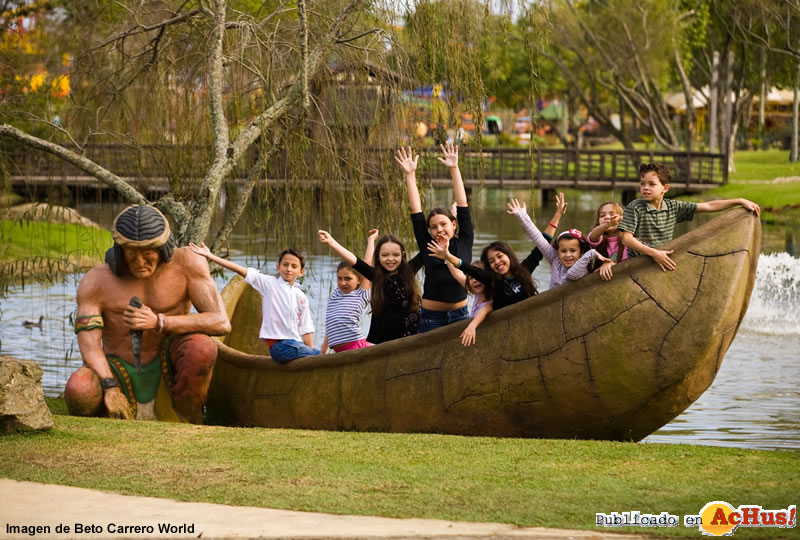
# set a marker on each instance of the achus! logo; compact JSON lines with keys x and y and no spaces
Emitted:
{"x":719,"y":518}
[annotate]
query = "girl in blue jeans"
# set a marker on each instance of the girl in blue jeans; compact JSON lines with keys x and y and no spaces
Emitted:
{"x":444,"y":300}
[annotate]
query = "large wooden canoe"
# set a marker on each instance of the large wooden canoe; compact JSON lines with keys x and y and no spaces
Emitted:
{"x":592,"y":359}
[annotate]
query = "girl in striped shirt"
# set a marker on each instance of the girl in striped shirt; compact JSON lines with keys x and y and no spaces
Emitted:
{"x":345,"y":308}
{"x":395,"y":292}
{"x":347,"y":303}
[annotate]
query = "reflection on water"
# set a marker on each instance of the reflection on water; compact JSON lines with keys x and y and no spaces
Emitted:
{"x":754,"y":401}
{"x":754,"y":398}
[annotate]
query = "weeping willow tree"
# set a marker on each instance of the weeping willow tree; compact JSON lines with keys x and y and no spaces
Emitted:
{"x":223,"y":97}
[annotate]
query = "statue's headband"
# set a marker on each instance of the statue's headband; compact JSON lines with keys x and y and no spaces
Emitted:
{"x":140,"y":226}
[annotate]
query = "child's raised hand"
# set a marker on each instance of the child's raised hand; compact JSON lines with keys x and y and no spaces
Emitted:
{"x":372,"y":235}
{"x":407,"y":160}
{"x":515,"y":207}
{"x":438,"y":250}
{"x":450,"y":153}
{"x":561,"y":204}
{"x":202,"y":249}
{"x":325,"y":237}
{"x":613,"y":220}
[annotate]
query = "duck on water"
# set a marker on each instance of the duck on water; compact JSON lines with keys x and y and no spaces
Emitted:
{"x":31,"y":324}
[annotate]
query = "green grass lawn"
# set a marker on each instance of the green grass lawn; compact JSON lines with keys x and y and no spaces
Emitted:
{"x":25,"y":239}
{"x":555,"y":483}
{"x":35,"y":250}
{"x":772,"y":196}
{"x":764,"y":165}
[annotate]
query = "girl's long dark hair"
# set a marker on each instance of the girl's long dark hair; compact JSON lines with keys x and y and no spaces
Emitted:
{"x":516,"y":269}
{"x":380,"y":277}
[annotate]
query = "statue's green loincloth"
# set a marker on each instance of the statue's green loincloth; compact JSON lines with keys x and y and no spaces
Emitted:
{"x":144,"y":384}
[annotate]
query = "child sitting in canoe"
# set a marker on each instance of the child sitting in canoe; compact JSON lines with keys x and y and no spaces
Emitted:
{"x":443,"y":300}
{"x":395,"y":293}
{"x":605,"y":238}
{"x":285,"y":313}
{"x":481,"y":301}
{"x":571,"y":257}
{"x":650,"y":221}
{"x":508,"y":280}
{"x":346,"y":306}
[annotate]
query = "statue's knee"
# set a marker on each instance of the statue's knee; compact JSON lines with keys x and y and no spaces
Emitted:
{"x":83,"y":394}
{"x":206,"y":348}
{"x":200,"y":348}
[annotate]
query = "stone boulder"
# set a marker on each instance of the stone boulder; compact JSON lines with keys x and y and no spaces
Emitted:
{"x":22,"y":406}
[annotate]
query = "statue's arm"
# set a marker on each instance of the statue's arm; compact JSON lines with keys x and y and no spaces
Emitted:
{"x":90,"y":341}
{"x":90,"y":344}
{"x":211,"y":318}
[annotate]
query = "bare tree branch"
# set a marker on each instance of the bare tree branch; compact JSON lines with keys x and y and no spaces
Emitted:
{"x":87,"y":165}
{"x":140,"y":28}
{"x":209,"y":191}
{"x":688,"y":95}
{"x":233,"y":215}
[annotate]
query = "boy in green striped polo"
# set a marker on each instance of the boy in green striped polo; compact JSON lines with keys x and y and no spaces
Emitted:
{"x":650,"y":221}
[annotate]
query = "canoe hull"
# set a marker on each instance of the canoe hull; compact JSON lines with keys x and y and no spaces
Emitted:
{"x":593,"y":360}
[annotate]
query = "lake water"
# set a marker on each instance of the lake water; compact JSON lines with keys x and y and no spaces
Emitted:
{"x":754,"y":401}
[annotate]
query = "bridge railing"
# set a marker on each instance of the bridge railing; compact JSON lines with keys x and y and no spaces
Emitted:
{"x":582,"y":166}
{"x":566,"y":167}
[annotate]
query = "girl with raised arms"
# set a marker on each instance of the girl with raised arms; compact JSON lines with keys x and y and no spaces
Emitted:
{"x":346,"y":306}
{"x":395,"y":293}
{"x":508,"y":280}
{"x":444,"y":301}
{"x":571,"y":257}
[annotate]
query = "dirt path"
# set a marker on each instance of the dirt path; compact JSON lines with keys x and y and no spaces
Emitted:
{"x":30,"y":504}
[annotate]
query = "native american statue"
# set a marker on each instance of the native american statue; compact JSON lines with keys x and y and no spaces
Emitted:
{"x":145,"y":355}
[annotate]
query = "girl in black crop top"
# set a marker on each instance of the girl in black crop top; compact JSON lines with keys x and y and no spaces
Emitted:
{"x":509,"y":280}
{"x":444,"y":301}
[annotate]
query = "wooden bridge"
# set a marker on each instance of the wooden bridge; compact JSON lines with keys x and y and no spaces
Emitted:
{"x":150,"y":168}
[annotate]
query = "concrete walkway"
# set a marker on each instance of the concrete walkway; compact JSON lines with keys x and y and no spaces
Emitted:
{"x":96,"y":514}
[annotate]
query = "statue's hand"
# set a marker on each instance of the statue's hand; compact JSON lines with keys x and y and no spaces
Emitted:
{"x":142,"y":318}
{"x":117,"y":404}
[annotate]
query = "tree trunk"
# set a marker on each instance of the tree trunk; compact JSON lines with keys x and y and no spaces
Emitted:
{"x":763,"y":98}
{"x":732,"y":145}
{"x":726,"y":82}
{"x":795,"y":103}
{"x":713,"y":105}
{"x":688,"y":93}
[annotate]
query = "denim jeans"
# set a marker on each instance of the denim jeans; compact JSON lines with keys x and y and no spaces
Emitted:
{"x":431,"y":320}
{"x":287,"y":350}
